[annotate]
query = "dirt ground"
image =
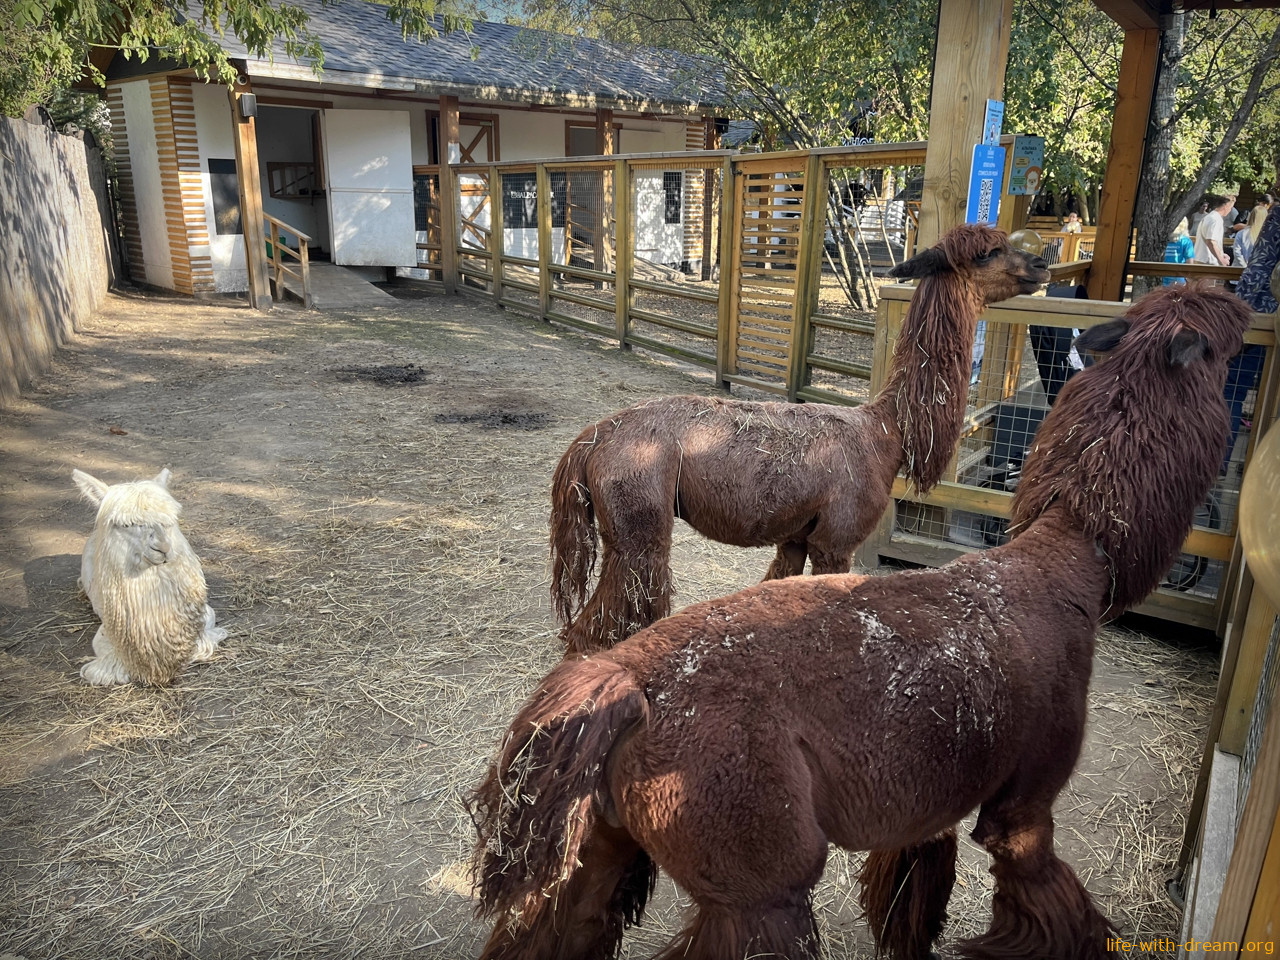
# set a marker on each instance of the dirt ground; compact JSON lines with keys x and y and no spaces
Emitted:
{"x":378,"y":551}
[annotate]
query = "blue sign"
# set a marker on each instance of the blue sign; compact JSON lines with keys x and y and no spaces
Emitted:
{"x":993,"y":123}
{"x":1027,"y":169}
{"x":984,"y":185}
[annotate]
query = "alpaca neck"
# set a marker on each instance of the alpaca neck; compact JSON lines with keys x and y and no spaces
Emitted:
{"x":1066,"y":558}
{"x":927,"y":385}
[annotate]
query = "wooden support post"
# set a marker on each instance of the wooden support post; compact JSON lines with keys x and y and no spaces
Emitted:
{"x":727,"y":300}
{"x":245,"y":135}
{"x":969,"y":65}
{"x":450,"y":152}
{"x":602,"y":255}
{"x":496,"y":245}
{"x":1257,"y":824}
{"x":624,"y":262}
{"x":544,"y":240}
{"x":711,"y":141}
{"x":808,"y":262}
{"x":1139,"y":64}
{"x":889,"y":317}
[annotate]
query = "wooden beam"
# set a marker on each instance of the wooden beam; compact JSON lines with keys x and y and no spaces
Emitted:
{"x":249,"y":181}
{"x":1138,"y":66}
{"x":710,"y":141}
{"x":1257,"y":823}
{"x":450,"y":152}
{"x":969,"y":64}
{"x":1133,"y":14}
{"x":606,"y":146}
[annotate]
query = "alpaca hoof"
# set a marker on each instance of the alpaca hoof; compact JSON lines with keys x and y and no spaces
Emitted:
{"x":101,"y":673}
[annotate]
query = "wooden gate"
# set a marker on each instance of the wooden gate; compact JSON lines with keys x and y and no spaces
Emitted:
{"x":774,"y":268}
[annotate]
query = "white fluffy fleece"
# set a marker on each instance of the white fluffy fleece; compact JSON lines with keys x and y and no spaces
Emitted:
{"x":145,"y":584}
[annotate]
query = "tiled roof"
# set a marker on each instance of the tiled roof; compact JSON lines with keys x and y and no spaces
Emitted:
{"x":359,"y":40}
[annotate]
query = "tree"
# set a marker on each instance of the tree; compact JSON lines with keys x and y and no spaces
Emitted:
{"x":1218,"y":80}
{"x":45,"y":45}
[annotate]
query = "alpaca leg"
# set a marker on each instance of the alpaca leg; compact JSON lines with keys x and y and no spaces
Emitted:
{"x":789,"y":562}
{"x":905,"y":893}
{"x":209,"y":637}
{"x":826,"y":560}
{"x":105,"y":668}
{"x":782,"y":930}
{"x":633,"y":592}
{"x":1040,"y":908}
{"x":583,"y":920}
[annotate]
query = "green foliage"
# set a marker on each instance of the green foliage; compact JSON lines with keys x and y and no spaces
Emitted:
{"x":46,"y":44}
{"x":804,"y":69}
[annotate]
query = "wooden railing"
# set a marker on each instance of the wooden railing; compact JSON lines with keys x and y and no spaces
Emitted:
{"x":293,"y":181}
{"x":298,"y":271}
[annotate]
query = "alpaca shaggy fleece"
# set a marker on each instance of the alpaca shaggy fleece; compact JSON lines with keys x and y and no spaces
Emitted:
{"x":812,"y":478}
{"x":145,"y":583}
{"x":732,"y":742}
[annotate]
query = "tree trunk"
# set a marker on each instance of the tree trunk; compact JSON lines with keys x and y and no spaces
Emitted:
{"x":1151,"y":215}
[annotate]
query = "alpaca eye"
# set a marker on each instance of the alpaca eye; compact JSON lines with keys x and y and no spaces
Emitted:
{"x":988,"y":256}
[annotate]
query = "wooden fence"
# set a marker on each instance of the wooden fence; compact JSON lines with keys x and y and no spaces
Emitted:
{"x":733,"y":262}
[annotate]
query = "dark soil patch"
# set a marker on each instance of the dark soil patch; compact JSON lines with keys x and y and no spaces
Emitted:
{"x":497,"y":420}
{"x":387,"y":374}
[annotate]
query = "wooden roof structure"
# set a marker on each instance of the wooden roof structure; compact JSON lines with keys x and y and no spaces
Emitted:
{"x":972,"y":51}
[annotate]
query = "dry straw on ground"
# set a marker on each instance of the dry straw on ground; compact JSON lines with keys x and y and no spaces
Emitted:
{"x":378,"y":551}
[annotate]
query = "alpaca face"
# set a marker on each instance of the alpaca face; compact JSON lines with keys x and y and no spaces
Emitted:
{"x":142,"y":545}
{"x":981,"y":258}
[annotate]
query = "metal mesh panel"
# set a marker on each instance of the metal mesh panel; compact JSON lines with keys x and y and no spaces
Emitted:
{"x":426,"y":216}
{"x":518,"y":194}
{"x":474,"y":219}
{"x":1258,"y":723}
{"x":582,"y":218}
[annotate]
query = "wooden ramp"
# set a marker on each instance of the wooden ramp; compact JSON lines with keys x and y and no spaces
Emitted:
{"x":337,"y":288}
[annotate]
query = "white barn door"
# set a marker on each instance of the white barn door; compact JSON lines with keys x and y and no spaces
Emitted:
{"x":369,"y":177}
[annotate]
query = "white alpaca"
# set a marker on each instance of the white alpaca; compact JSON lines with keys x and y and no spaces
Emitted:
{"x":145,"y":584}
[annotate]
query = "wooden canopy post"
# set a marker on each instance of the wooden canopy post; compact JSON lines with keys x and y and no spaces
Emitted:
{"x":968,"y":69}
{"x":249,"y":182}
{"x":710,"y":141}
{"x":606,"y":146}
{"x":1138,"y":66}
{"x":450,"y":152}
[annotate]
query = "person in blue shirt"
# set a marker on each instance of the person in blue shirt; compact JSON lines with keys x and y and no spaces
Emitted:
{"x":1180,"y":249}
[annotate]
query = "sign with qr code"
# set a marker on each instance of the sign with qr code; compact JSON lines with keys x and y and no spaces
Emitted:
{"x":985,"y":183}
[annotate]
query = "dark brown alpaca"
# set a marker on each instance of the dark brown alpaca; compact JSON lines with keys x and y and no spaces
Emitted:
{"x":813,"y":479}
{"x":731,"y":743}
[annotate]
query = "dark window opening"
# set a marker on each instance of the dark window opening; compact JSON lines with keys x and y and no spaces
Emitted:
{"x":225,"y":188}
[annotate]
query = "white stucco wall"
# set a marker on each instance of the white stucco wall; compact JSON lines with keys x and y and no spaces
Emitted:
{"x":216,"y":141}
{"x":284,"y":134}
{"x":148,"y":191}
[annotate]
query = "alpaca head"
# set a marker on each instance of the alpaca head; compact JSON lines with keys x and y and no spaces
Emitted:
{"x":138,"y":521}
{"x":980,"y":257}
{"x":1134,"y":443}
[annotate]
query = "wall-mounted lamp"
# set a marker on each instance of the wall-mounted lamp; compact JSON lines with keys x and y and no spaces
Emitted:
{"x":248,"y":105}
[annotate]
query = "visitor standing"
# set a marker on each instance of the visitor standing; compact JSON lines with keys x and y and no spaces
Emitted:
{"x":1209,"y":248}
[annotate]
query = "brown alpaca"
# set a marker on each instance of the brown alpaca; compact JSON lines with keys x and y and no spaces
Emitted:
{"x":731,"y":743}
{"x":813,"y":479}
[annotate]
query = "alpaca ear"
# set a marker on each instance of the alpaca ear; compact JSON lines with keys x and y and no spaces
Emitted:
{"x":1103,"y":337}
{"x":93,"y":488}
{"x":1187,"y":347}
{"x":162,"y":478}
{"x":924,"y":264}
